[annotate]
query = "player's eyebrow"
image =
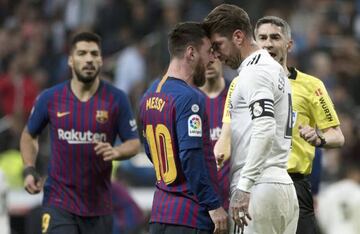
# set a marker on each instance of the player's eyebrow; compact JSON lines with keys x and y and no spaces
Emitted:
{"x":88,"y":51}
{"x":215,"y":46}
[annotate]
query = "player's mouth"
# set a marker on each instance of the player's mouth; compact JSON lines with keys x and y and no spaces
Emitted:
{"x":89,"y":68}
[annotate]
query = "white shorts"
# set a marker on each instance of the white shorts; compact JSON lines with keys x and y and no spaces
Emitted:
{"x":274,"y":209}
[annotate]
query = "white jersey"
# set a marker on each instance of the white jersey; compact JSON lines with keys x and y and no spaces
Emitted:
{"x":339,"y":208}
{"x":261,"y":123}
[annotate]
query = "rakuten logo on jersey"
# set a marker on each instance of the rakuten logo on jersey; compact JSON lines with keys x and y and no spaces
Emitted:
{"x":77,"y":137}
{"x":215,"y":133}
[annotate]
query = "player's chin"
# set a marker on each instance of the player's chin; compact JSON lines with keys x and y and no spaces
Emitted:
{"x":232,"y":65}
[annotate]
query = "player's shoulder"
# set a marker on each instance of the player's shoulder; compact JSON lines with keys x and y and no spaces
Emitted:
{"x":47,"y":94}
{"x":180,"y":89}
{"x":112,"y":90}
{"x":306,"y":78}
{"x":260,"y":64}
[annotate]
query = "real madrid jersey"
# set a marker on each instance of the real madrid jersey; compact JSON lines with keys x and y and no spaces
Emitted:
{"x":261,"y":123}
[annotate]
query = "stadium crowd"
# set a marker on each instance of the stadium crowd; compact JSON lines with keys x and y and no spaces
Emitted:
{"x":34,"y":35}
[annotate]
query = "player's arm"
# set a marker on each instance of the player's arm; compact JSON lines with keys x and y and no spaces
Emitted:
{"x":328,"y":133}
{"x":222,"y":148}
{"x":192,"y":161}
{"x":29,"y":146}
{"x":261,"y":106}
{"x":124,"y":151}
{"x":196,"y":173}
{"x":327,"y":138}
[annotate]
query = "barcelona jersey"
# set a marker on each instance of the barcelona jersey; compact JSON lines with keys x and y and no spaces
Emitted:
{"x":214,"y":108}
{"x":78,"y":179}
{"x":176,"y":139}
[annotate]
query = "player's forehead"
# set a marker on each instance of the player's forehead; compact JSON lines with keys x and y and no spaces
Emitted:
{"x":217,"y":38}
{"x":206,"y":43}
{"x":268,"y":29}
{"x":86,"y":46}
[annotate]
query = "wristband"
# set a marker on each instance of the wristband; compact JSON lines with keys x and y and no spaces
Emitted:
{"x":322,"y":140}
{"x":31,"y":171}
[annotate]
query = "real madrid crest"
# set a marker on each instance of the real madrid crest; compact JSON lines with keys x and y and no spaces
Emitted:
{"x":102,"y":116}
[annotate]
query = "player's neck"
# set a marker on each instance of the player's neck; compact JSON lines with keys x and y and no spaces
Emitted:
{"x":213,"y":87}
{"x":287,"y":72}
{"x":82,"y":90}
{"x":180,"y":69}
{"x":249,"y":48}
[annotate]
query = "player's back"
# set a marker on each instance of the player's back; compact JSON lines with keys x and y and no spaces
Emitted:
{"x":171,"y":118}
{"x":159,"y":120}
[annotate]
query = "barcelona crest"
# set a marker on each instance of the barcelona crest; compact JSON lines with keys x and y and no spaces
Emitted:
{"x":102,"y":116}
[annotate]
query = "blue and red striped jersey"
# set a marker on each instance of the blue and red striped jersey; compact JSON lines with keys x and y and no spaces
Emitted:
{"x":214,"y":108}
{"x":78,"y":179}
{"x":127,"y":213}
{"x":176,"y":139}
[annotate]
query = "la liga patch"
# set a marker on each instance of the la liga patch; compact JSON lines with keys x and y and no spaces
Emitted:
{"x":194,"y":126}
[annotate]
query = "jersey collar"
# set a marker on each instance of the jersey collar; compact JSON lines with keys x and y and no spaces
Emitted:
{"x":292,"y":73}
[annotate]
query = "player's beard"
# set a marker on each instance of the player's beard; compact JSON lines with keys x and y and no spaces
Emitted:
{"x":86,"y":78}
{"x":234,"y":59}
{"x":199,"y":74}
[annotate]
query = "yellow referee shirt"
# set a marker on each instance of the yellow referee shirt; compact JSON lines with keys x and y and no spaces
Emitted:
{"x":226,"y":114}
{"x":311,"y":106}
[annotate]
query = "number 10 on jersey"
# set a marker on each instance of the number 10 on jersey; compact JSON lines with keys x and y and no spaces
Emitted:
{"x":162,"y":154}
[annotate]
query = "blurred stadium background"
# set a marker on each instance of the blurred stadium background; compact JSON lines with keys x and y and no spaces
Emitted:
{"x":33,"y":56}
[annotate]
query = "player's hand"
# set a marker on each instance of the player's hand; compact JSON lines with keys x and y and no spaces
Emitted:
{"x":221,"y":152}
{"x":220,"y":219}
{"x":33,"y":185}
{"x":219,"y":160}
{"x":239,"y":208}
{"x":106,"y":151}
{"x":309,"y":134}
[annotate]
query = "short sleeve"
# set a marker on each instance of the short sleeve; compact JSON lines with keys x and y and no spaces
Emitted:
{"x":39,"y":116}
{"x":189,"y":121}
{"x":127,"y":127}
{"x":322,"y":108}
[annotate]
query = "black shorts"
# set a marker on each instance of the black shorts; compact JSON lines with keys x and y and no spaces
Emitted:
{"x":307,"y":222}
{"x":163,"y":228}
{"x":59,"y":221}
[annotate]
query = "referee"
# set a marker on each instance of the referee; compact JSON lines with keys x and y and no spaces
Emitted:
{"x":314,"y":116}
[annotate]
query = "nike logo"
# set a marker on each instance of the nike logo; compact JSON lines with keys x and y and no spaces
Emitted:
{"x":62,"y":114}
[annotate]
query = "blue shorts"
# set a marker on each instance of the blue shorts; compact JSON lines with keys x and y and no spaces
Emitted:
{"x":58,"y":221}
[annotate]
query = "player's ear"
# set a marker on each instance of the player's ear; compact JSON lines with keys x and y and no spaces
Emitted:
{"x":70,"y":61}
{"x":289,"y":45}
{"x":190,"y":53}
{"x":238,"y":37}
{"x":101,"y":61}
